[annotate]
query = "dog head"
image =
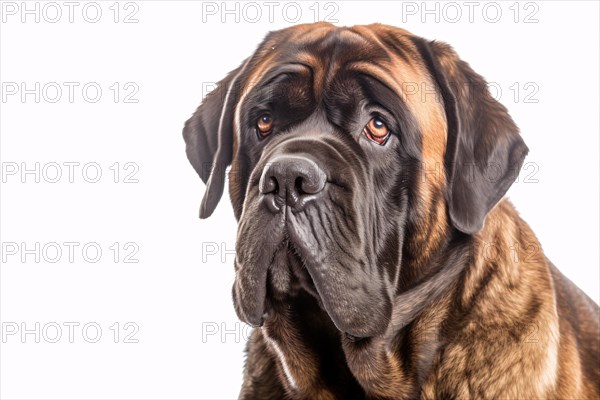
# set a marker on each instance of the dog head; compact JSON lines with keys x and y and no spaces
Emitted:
{"x":354,"y":152}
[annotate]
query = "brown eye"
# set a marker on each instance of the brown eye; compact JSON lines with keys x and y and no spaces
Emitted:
{"x":264,"y":125}
{"x":377,"y":131}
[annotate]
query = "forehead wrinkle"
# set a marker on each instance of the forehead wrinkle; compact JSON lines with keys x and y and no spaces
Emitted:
{"x":381,"y":74}
{"x":405,"y":70}
{"x":317,"y":71}
{"x":351,"y":35}
{"x":313,"y":34}
{"x":271,"y":76}
{"x":267,"y":57}
{"x":278,"y":44}
{"x":330,"y":52}
{"x":295,"y":33}
{"x":400,"y":40}
{"x":274,"y":47}
{"x":367,"y":35}
{"x":342,"y":38}
{"x":324,"y":49}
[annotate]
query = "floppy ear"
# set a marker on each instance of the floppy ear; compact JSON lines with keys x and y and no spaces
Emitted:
{"x":484,"y":150}
{"x":208,"y":136}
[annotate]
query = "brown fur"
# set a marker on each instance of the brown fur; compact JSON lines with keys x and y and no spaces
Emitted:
{"x":487,"y":318}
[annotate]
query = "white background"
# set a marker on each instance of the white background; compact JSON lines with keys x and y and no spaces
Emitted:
{"x":177,"y":294}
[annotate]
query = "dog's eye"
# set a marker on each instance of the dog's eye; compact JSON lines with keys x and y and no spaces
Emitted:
{"x":377,"y":131}
{"x":264,"y":125}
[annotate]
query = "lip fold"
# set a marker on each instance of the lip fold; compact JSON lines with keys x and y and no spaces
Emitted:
{"x":254,"y":254}
{"x":334,"y":269}
{"x":349,"y":288}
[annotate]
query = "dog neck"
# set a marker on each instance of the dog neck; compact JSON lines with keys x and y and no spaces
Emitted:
{"x":445,"y":269}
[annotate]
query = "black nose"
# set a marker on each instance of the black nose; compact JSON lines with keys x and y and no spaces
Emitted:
{"x":291,"y":180}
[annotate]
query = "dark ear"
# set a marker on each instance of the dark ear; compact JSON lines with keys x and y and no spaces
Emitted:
{"x":484,"y":151}
{"x":209,"y":134}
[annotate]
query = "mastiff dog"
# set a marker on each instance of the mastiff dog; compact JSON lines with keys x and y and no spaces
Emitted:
{"x":376,"y":257}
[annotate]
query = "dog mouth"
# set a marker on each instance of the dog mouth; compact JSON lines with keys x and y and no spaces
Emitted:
{"x":286,"y":276}
{"x":301,"y":275}
{"x":320,"y":247}
{"x":300,"y":281}
{"x":342,"y":280}
{"x":285,"y":282}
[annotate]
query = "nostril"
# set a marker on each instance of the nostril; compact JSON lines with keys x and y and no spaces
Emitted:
{"x":274,"y":184}
{"x":291,"y":180}
{"x":268,"y":183}
{"x":298,"y":185}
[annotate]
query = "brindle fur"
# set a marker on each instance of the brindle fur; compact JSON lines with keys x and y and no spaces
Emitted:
{"x":440,"y":290}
